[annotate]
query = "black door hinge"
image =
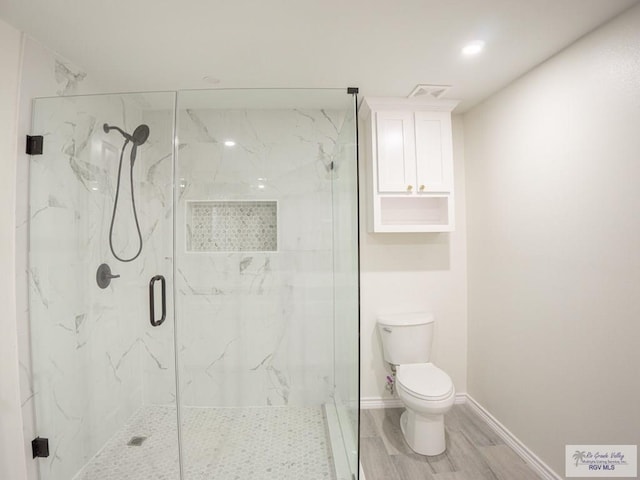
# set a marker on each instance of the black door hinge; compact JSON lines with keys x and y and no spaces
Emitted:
{"x":40,"y":447}
{"x":352,"y":90}
{"x":35,"y":144}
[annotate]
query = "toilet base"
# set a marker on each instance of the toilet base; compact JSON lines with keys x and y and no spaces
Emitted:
{"x":423,"y":433}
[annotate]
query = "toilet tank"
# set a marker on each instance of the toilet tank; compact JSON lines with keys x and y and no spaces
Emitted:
{"x":406,"y":337}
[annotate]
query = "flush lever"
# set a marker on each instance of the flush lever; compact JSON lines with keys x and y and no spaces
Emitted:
{"x":387,"y":329}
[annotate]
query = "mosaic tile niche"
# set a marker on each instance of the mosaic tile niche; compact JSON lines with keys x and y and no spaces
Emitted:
{"x":232,"y":226}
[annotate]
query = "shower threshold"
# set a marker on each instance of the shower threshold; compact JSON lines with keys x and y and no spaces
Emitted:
{"x":244,"y":443}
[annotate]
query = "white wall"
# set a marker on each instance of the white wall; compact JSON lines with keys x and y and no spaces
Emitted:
{"x":407,"y":272}
{"x":12,"y":459}
{"x":553,"y":189}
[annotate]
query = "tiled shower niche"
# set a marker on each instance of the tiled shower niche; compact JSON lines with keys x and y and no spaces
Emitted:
{"x":232,"y":226}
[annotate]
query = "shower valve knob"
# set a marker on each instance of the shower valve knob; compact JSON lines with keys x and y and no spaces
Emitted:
{"x":104,"y":276}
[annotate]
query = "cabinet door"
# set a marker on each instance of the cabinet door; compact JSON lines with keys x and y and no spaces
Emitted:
{"x":433,"y":152}
{"x":395,"y":152}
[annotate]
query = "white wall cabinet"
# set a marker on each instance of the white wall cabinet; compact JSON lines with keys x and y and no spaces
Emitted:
{"x":409,"y":163}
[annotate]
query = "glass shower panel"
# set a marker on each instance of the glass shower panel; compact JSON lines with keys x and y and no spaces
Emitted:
{"x":103,"y":377}
{"x":346,"y":291}
{"x":255,"y":281}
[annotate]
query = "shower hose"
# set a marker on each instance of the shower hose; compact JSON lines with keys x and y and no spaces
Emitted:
{"x":115,"y":207}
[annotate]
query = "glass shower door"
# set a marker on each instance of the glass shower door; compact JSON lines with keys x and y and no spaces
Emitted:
{"x":103,"y":375}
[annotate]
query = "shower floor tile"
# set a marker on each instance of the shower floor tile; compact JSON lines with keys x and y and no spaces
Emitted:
{"x":259,"y":443}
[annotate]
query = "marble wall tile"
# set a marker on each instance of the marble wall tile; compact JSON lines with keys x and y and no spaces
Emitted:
{"x":255,"y":328}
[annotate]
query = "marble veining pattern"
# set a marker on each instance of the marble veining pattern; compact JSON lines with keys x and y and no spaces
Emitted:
{"x":255,"y":328}
{"x":68,"y":77}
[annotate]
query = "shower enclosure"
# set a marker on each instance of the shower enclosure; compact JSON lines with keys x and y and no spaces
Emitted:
{"x":228,"y":348}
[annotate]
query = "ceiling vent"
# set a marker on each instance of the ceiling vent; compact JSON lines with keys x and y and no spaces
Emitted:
{"x":433,"y":91}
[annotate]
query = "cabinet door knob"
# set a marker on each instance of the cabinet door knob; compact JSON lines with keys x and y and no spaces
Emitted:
{"x":409,"y":188}
{"x":422,"y":188}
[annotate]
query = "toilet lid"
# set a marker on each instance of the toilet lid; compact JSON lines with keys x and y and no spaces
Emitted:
{"x":424,"y":380}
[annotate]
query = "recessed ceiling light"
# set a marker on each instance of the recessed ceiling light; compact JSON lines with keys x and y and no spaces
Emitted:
{"x":229,"y":143}
{"x":473,"y":48}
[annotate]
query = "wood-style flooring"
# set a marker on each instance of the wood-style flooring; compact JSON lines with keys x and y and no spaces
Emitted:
{"x":474,"y":450}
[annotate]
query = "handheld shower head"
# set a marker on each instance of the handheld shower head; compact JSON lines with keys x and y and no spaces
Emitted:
{"x":139,"y":136}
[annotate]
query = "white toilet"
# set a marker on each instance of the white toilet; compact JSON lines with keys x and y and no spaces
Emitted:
{"x":426,"y":391}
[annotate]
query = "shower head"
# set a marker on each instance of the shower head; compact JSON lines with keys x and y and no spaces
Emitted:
{"x":139,"y":136}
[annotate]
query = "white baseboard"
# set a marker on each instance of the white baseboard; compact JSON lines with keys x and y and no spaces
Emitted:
{"x":367,"y":403}
{"x":510,"y":439}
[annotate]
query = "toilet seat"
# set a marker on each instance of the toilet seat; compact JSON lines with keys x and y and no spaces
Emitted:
{"x":424,"y":381}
